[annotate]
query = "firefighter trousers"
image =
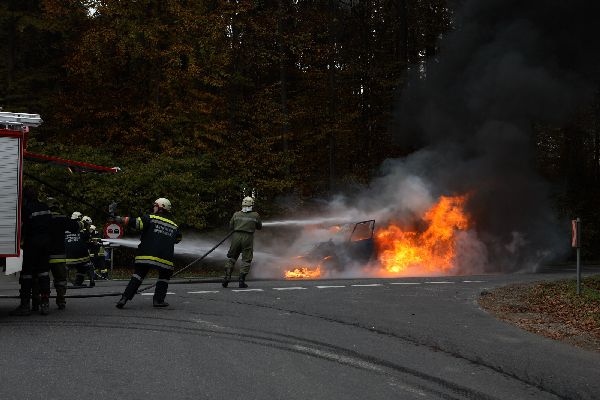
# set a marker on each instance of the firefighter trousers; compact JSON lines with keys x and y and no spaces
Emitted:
{"x":59,"y":277}
{"x":139,"y":273}
{"x":241,"y":243}
{"x":35,"y":266}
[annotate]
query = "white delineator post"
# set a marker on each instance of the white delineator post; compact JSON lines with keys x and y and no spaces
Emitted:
{"x":576,"y":243}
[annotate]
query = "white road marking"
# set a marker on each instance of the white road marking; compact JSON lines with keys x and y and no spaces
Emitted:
{"x":439,"y":282}
{"x":204,"y":291}
{"x":473,"y":281}
{"x":290,"y":288}
{"x":152,"y":294}
{"x":369,"y":285}
{"x":247,"y":290}
{"x":405,"y":283}
{"x":329,"y":287}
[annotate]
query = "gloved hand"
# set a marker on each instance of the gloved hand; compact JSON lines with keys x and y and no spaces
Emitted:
{"x":122,"y":220}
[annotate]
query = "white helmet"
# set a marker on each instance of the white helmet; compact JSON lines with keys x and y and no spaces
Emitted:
{"x":163,"y":203}
{"x":76,"y":215}
{"x":87,"y":220}
{"x":92,"y":227}
{"x":248,"y":202}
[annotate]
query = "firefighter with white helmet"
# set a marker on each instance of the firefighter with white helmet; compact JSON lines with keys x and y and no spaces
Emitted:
{"x":60,"y":225}
{"x":243,"y":223}
{"x":76,"y":249}
{"x":156,"y":250}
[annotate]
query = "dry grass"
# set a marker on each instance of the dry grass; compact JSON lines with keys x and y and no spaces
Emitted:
{"x":552,"y":309}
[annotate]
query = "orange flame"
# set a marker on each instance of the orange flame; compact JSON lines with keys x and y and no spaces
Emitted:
{"x":303,"y":273}
{"x":432,"y":250}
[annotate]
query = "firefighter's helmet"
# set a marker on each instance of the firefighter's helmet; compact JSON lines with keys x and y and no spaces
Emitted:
{"x":248,"y":202}
{"x":163,"y":203}
{"x":93,"y":228}
{"x":87,"y":220}
{"x":76,"y":215}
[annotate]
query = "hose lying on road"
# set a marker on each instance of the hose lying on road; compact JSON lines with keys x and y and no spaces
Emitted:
{"x":83,"y":296}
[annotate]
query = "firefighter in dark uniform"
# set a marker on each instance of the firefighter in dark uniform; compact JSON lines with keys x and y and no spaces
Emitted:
{"x":35,"y":235}
{"x":156,"y":250}
{"x":76,"y":250}
{"x":60,"y":224}
{"x":243,"y":223}
{"x":96,"y":251}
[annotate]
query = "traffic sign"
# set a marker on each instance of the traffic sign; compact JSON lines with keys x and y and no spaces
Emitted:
{"x":113,"y":231}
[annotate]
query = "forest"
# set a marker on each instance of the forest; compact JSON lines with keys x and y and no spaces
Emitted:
{"x":205,"y":101}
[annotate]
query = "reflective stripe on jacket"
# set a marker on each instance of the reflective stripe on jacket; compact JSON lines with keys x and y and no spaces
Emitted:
{"x":157,"y":242}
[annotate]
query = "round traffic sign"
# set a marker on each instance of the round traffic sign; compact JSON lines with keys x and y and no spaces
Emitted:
{"x":113,"y":231}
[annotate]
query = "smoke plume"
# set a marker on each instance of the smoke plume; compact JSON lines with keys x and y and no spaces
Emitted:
{"x":469,"y":113}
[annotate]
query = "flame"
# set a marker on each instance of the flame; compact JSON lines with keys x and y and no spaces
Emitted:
{"x":428,"y":251}
{"x":303,"y":273}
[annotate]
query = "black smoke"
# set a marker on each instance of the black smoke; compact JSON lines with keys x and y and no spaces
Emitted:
{"x":506,"y":66}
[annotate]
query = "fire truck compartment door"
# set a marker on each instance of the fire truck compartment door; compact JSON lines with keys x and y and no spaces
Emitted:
{"x":10,"y":181}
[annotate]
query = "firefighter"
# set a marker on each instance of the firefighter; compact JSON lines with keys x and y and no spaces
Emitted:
{"x":60,"y":224}
{"x":243,"y":223}
{"x":35,"y":234}
{"x":96,"y":251}
{"x":159,"y":234}
{"x":89,"y":269}
{"x":76,"y":249}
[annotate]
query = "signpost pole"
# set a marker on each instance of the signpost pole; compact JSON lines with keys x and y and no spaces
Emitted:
{"x":576,"y":242}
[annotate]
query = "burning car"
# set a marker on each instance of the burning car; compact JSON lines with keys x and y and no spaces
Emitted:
{"x":349,"y":243}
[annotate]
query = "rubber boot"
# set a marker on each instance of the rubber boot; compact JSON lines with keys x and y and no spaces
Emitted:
{"x":44,"y":305}
{"x":160,"y":293}
{"x":35,"y":302}
{"x":24,"y":308}
{"x":227,"y":277}
{"x":130,"y":291}
{"x":121,"y":303}
{"x":61,"y":301}
{"x":242,"y":281}
{"x":92,"y":275}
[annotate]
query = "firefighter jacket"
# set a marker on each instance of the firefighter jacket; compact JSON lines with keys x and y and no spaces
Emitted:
{"x":76,"y":247}
{"x":159,"y":236}
{"x":37,"y":220}
{"x":61,"y":224}
{"x":96,"y":248}
{"x":245,"y":222}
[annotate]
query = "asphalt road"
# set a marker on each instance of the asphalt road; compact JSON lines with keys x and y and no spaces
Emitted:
{"x":418,"y":338}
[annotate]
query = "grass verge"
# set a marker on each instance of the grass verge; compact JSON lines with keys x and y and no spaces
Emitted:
{"x":551,"y":309}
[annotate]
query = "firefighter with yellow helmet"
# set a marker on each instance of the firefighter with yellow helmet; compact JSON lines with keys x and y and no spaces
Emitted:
{"x":156,"y":250}
{"x":243,"y":223}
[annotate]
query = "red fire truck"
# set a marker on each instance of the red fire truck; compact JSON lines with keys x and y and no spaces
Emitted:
{"x":13,"y":139}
